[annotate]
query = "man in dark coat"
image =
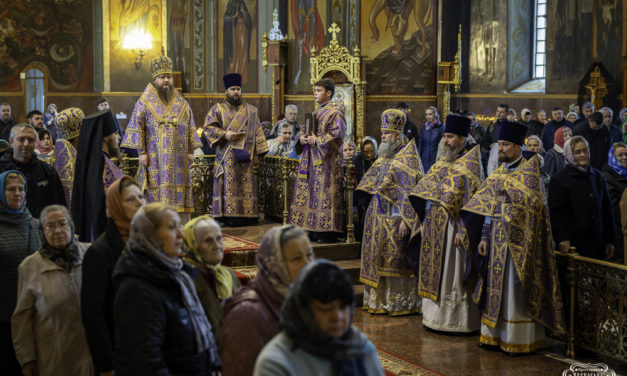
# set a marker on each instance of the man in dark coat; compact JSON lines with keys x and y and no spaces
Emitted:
{"x":6,"y":122}
{"x":556,"y":123}
{"x":43,"y":183}
{"x":410,"y":130}
{"x":493,"y":128}
{"x":586,"y":110}
{"x":598,"y":137}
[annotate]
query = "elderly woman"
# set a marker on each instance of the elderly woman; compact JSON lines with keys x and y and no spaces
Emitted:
{"x":534,"y":143}
{"x":554,"y":157}
{"x":615,"y":173}
{"x":123,"y":198}
{"x":44,"y":147}
{"x":204,"y":249}
{"x":580,"y":206}
{"x":367,"y":156}
{"x":572,"y":117}
{"x":252,"y":313}
{"x":348,"y":151}
{"x":160,"y":325}
{"x":317,"y":337}
{"x":429,"y":138}
{"x":20,"y":238}
{"x":48,"y":333}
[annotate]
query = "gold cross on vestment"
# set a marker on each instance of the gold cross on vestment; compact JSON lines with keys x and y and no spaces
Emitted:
{"x":498,"y":268}
{"x":334,"y":29}
{"x":499,"y":235}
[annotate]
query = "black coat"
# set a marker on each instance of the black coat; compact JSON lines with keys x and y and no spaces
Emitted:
{"x":581,"y":211}
{"x":362,"y":165}
{"x":410,"y":130}
{"x":153,"y":329}
{"x":97,"y":296}
{"x":43,"y":183}
{"x":616,"y":185}
{"x":599,"y":142}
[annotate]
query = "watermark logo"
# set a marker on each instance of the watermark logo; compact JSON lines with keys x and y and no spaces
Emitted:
{"x":587,"y":369}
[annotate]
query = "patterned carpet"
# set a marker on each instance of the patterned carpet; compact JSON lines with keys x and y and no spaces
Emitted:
{"x":239,"y":254}
{"x":395,"y":366}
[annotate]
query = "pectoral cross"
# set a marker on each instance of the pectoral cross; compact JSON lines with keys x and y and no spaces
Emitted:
{"x":334,"y":29}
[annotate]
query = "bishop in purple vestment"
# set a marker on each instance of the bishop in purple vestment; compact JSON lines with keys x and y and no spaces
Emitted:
{"x":163,"y":131}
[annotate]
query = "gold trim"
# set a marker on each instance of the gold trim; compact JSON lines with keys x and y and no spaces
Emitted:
{"x":186,"y":95}
{"x":510,"y":347}
{"x":72,"y":94}
{"x":12,"y":93}
{"x":106,"y":47}
{"x":518,"y":95}
{"x":392,"y":98}
{"x":164,"y":26}
{"x":591,"y":260}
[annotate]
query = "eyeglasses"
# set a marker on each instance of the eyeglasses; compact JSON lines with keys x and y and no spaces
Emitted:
{"x":54,"y":226}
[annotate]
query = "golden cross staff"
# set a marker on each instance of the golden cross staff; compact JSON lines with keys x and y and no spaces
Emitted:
{"x":334,"y":29}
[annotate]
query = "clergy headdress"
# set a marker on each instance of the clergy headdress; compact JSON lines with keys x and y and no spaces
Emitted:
{"x":160,"y":65}
{"x":68,"y":122}
{"x":232,"y":79}
{"x":393,"y":120}
{"x":459,"y":125}
{"x":512,"y":132}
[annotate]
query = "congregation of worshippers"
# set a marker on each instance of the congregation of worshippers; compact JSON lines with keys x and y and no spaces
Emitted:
{"x":105,"y":273}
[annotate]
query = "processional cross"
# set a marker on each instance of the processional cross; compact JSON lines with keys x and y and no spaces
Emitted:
{"x":334,"y":29}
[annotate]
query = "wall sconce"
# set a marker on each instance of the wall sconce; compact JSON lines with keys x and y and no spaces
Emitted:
{"x":139,"y":40}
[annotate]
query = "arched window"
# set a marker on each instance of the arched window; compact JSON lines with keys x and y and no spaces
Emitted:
{"x":34,"y":89}
{"x":540,"y":39}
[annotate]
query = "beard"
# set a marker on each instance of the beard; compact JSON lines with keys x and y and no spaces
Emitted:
{"x":114,"y":149}
{"x":234,"y":101}
{"x":388,"y":148}
{"x":165,"y":93}
{"x":450,"y":154}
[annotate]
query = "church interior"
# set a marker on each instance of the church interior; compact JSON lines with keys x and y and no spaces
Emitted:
{"x":459,"y":56}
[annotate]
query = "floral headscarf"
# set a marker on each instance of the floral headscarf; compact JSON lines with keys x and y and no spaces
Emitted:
{"x":271,"y":260}
{"x":613,"y":161}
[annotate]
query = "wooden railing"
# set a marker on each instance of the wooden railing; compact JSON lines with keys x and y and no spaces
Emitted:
{"x":275,"y":182}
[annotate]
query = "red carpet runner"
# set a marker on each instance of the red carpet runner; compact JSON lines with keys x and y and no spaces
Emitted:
{"x":239,"y":254}
{"x":395,"y":366}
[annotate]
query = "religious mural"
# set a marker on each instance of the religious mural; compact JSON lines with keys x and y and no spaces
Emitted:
{"x":237,"y":42}
{"x":127,"y":18}
{"x":398,"y":42}
{"x":609,"y":36}
{"x":569,"y":43}
{"x":179,"y":38}
{"x":52,"y":34}
{"x":488,"y":46}
{"x":306,"y":30}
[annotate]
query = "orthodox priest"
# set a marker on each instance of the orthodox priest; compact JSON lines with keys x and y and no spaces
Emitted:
{"x":317,"y":203}
{"x":232,"y":127}
{"x":384,"y":189}
{"x":94,"y":173}
{"x":444,"y":262}
{"x":163,"y":132}
{"x":67,"y":123}
{"x":519,"y":290}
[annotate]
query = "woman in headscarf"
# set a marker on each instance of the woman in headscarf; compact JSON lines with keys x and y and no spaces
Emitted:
{"x":204,"y":249}
{"x":317,"y":337}
{"x":534,"y":143}
{"x":123,"y":198}
{"x":160,"y":325}
{"x":44,"y":147}
{"x":554,"y":157}
{"x":20,"y":238}
{"x":251,"y":316}
{"x":367,"y":156}
{"x":580,"y":206}
{"x":429,"y":138}
{"x":615,"y":173}
{"x":48,"y":333}
{"x":572,"y":117}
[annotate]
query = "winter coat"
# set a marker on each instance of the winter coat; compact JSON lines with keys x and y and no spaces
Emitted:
{"x":20,"y":238}
{"x":553,"y":162}
{"x":43,"y":183}
{"x":154,"y":335}
{"x":208,"y":295}
{"x":428,"y":144}
{"x":616,"y":185}
{"x":46,"y":325}
{"x":548,"y":133}
{"x":251,"y":319}
{"x":581,"y":211}
{"x":97,"y":295}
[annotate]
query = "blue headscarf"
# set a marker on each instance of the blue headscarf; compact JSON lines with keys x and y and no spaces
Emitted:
{"x":614,"y":162}
{"x":3,"y":201}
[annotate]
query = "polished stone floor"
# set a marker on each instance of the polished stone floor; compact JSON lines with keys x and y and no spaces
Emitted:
{"x":406,"y":338}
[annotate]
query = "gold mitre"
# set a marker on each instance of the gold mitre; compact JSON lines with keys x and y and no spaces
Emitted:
{"x":393,"y":120}
{"x":160,"y":65}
